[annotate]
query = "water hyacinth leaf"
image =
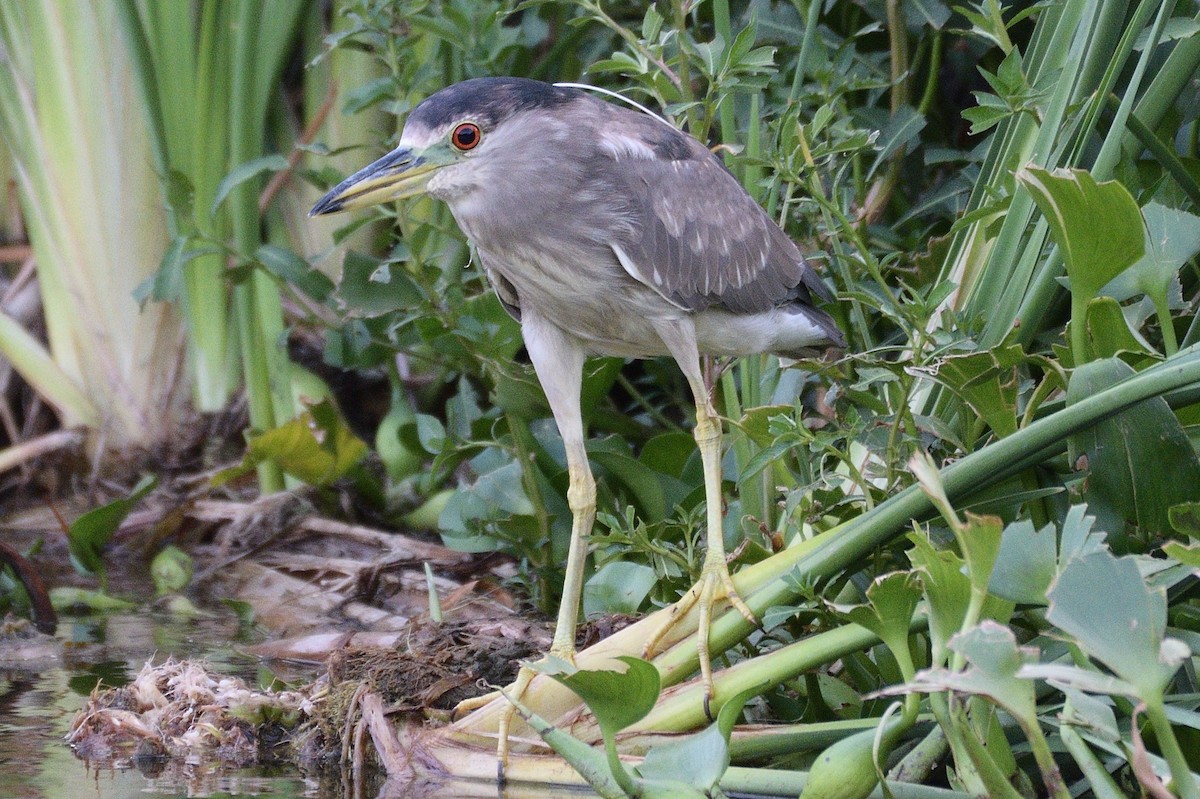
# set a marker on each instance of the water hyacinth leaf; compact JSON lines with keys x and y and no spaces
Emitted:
{"x":1185,"y":518}
{"x":988,"y":381}
{"x":317,"y":447}
{"x":1109,"y":331}
{"x":618,"y":587}
{"x":1122,"y":624}
{"x":1026,"y":563}
{"x":1097,"y":226}
{"x":892,"y":601}
{"x":1172,"y":238}
{"x":947,"y":591}
{"x":1137,"y":464}
{"x":90,"y":533}
{"x":171,"y":569}
{"x":1187,"y":555}
{"x":700,"y":759}
{"x":590,"y":762}
{"x":616,"y":698}
{"x":979,"y":541}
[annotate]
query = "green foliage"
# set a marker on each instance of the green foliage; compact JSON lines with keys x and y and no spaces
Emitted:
{"x":91,"y":532}
{"x":1017,"y":282}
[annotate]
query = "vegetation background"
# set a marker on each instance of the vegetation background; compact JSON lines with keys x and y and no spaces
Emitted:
{"x":1003,"y":196}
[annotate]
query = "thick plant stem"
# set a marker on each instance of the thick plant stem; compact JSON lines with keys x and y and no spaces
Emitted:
{"x":838,"y":549}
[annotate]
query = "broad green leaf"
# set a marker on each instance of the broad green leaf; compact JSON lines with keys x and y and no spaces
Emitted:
{"x":1185,"y":518}
{"x":979,"y":541}
{"x":618,"y":587}
{"x":989,"y":381}
{"x":1026,"y":563}
{"x":616,"y":698}
{"x":1172,"y":238}
{"x":698,"y":760}
{"x":1096,"y":225}
{"x":590,"y":762}
{"x":286,"y":265}
{"x":91,"y":532}
{"x":1103,"y":603}
{"x":892,"y":601}
{"x":995,"y":658}
{"x":370,"y":287}
{"x":1187,"y":555}
{"x":1109,"y":332}
{"x":1078,"y":537}
{"x":1136,"y":464}
{"x":638,"y":479}
{"x":316,"y":447}
{"x":947,"y":591}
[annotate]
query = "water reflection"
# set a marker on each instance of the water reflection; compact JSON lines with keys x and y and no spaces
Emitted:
{"x":40,"y":695}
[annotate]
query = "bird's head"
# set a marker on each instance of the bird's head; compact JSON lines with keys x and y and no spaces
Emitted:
{"x":447,"y":138}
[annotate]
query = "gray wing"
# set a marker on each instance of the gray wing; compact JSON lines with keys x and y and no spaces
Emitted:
{"x":698,"y":238}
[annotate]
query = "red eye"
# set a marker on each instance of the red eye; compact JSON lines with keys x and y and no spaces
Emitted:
{"x":466,"y":136}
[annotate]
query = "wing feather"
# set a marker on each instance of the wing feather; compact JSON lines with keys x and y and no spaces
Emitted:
{"x":695,"y":236}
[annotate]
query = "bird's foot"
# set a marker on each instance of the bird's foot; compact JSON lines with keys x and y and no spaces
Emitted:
{"x":515,"y":691}
{"x":714,"y":585}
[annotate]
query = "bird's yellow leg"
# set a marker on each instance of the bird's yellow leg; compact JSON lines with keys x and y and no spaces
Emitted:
{"x":558,"y":359}
{"x":715,"y":583}
{"x":581,"y":498}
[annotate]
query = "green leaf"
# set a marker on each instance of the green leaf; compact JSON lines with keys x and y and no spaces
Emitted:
{"x":67,"y":597}
{"x":1136,"y":464}
{"x":1185,"y":518}
{"x":591,"y":764}
{"x":1105,"y":605}
{"x":989,"y":381}
{"x":892,"y":601}
{"x":171,"y":570}
{"x":1096,"y":225}
{"x":1026,"y":563}
{"x":1108,"y":331}
{"x":371,"y":287}
{"x":1172,"y":238}
{"x":698,"y":760}
{"x":947,"y":591}
{"x":979,"y":541}
{"x":316,"y":447}
{"x":618,"y":587}
{"x":244,"y":172}
{"x":638,"y":479}
{"x":91,"y":532}
{"x":616,"y":698}
{"x":286,"y":265}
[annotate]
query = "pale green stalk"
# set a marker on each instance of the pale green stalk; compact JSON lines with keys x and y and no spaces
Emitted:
{"x":93,"y":210}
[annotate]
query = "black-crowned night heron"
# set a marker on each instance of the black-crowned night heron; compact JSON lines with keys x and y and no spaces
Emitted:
{"x":606,"y":231}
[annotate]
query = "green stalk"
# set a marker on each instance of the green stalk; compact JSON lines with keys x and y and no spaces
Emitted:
{"x":811,"y":19}
{"x":1101,"y":783}
{"x":1181,"y":773}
